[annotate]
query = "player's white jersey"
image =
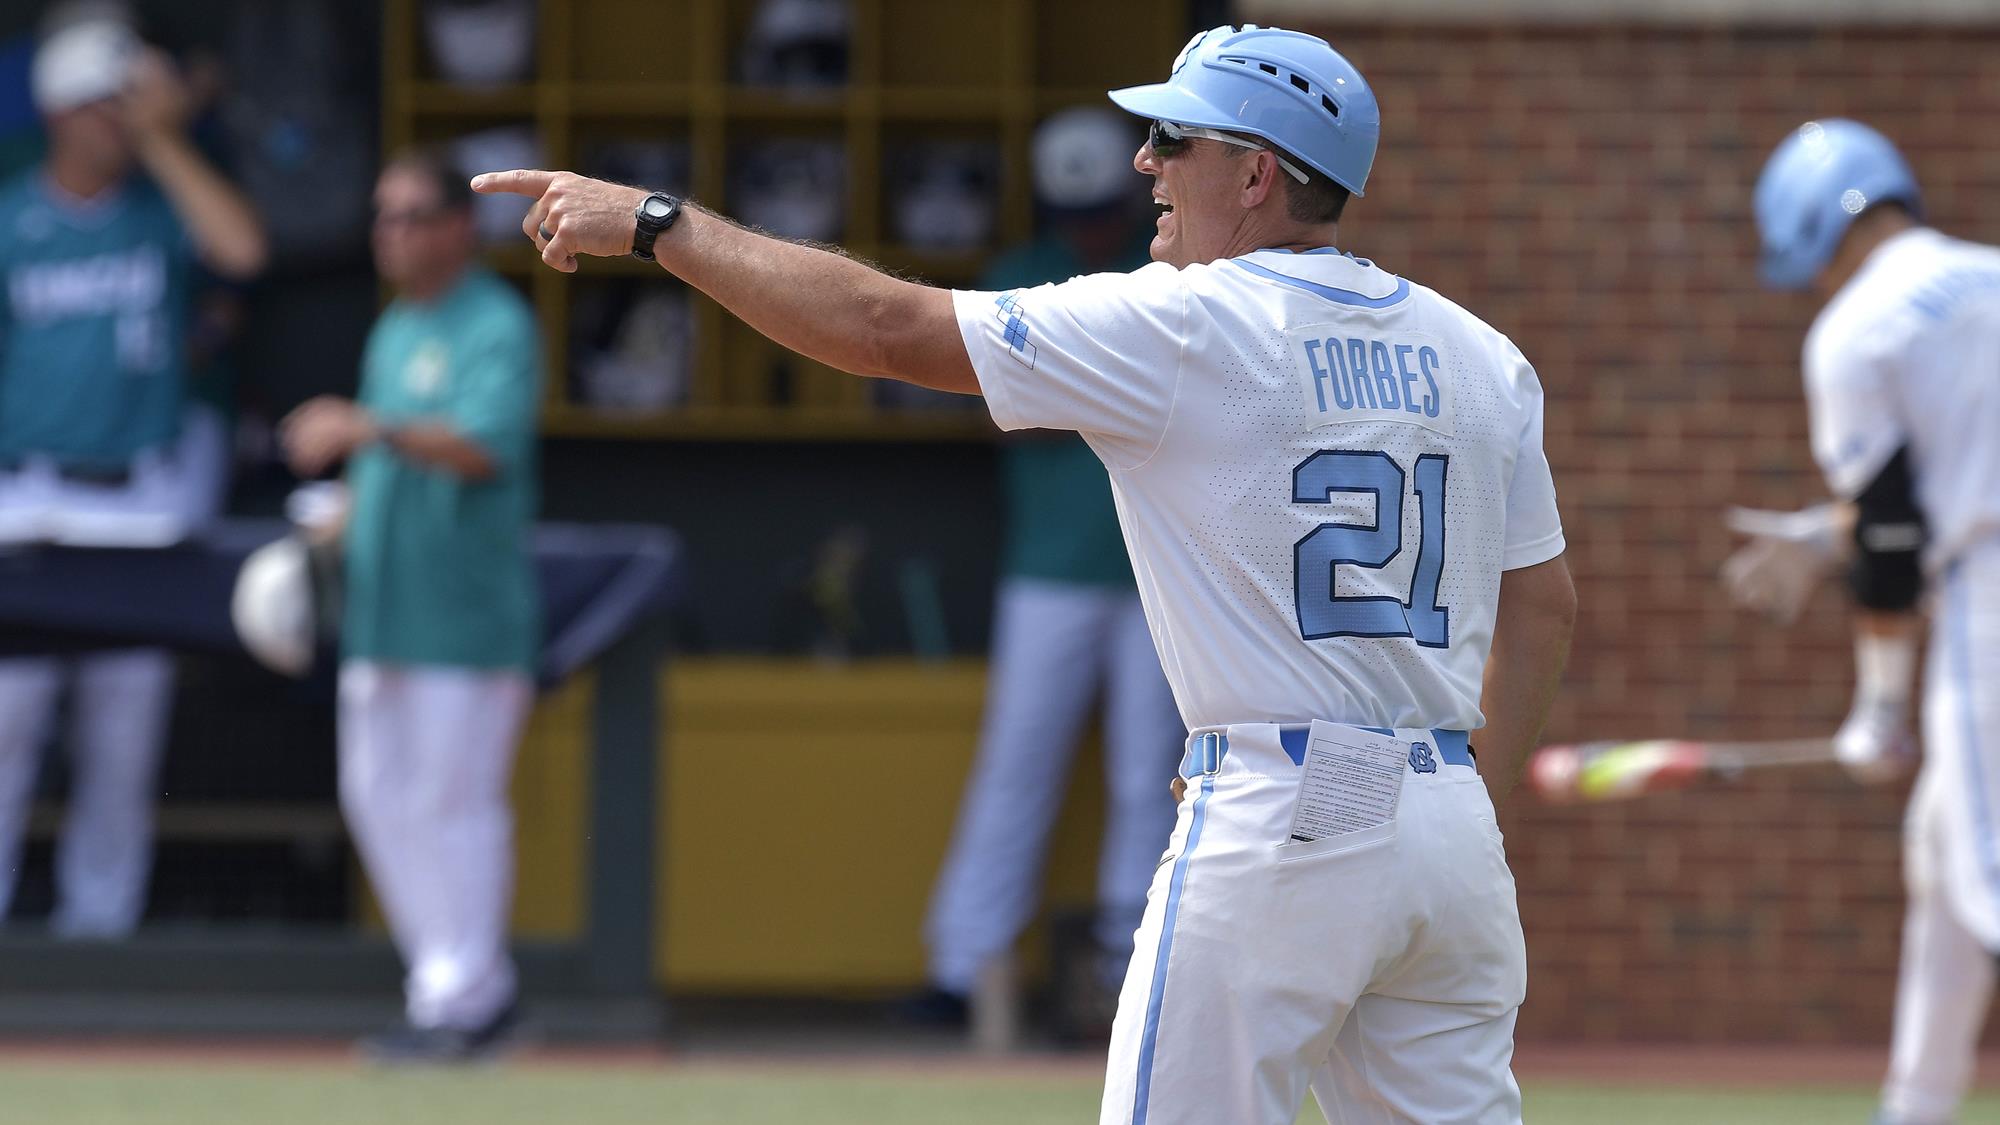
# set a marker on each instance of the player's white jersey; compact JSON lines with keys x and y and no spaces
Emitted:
{"x":1321,"y":470}
{"x":1908,"y":354}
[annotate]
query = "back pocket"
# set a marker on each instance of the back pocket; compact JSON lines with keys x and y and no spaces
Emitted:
{"x":1370,"y":837}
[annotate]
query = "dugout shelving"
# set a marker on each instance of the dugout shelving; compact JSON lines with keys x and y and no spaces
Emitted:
{"x":979,"y":68}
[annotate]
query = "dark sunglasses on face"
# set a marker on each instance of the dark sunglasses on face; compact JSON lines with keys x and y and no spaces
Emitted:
{"x":1168,"y":140}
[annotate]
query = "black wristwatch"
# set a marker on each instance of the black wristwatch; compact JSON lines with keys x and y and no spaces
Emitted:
{"x":654,"y":214}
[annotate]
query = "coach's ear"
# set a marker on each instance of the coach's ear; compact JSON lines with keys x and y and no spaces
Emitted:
{"x":1260,"y":176}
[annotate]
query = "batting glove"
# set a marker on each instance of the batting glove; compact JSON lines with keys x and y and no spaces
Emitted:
{"x":1788,"y":553}
{"x":1875,"y":743}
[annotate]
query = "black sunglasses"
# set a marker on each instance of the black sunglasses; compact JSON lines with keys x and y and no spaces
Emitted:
{"x":1168,"y":140}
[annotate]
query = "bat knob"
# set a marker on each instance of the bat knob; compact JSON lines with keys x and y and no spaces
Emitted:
{"x":1553,"y":771}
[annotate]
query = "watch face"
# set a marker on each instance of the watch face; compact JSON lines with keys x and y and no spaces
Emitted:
{"x":656,"y":208}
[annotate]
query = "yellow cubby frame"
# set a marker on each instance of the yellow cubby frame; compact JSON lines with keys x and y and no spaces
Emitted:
{"x":984,"y":65}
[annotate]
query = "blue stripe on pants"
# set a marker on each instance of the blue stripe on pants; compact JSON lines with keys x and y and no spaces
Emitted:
{"x":1958,"y":628}
{"x":1149,"y":1038}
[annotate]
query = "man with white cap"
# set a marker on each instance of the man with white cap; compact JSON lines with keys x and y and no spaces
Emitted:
{"x":98,"y":247}
{"x":1067,"y":621}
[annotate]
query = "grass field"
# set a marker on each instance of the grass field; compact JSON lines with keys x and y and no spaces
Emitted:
{"x":254,"y":1091}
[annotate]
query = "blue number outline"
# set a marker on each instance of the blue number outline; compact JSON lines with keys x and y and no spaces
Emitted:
{"x":1429,"y":627}
{"x":1431,"y":529}
{"x":1384,"y":524}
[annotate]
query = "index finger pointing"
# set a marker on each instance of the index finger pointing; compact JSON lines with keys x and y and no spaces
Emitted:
{"x":520,"y":181}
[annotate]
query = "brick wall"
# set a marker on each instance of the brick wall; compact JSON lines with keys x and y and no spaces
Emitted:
{"x":1586,"y":190}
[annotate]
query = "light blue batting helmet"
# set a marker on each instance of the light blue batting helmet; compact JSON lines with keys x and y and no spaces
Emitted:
{"x":1287,"y":87}
{"x":1814,"y":186}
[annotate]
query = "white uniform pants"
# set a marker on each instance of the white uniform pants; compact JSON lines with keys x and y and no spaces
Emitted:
{"x":121,"y":700}
{"x":119,"y":706}
{"x":1951,"y":855}
{"x":1383,"y":967}
{"x":425,"y":757}
{"x":1054,"y":644}
{"x":168,"y":495}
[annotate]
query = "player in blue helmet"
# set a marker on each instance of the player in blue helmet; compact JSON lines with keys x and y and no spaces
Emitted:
{"x":1899,"y":373}
{"x":1822,"y":178}
{"x":1331,"y":483}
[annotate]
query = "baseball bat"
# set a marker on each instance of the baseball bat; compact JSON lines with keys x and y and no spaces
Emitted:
{"x":1616,"y":771}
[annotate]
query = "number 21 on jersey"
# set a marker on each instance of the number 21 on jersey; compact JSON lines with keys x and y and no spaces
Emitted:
{"x":1317,"y":557}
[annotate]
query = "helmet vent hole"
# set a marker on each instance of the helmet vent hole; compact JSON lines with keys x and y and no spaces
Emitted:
{"x":1303,"y":85}
{"x":1267,"y":68}
{"x":1327,"y":104}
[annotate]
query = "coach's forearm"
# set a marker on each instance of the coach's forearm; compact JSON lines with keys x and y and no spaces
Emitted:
{"x":223,"y":226}
{"x":820,"y":303}
{"x":815,"y":302}
{"x":438,"y":446}
{"x":1531,"y":635}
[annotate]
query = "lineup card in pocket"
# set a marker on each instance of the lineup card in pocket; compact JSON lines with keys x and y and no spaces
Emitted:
{"x":1353,"y":779}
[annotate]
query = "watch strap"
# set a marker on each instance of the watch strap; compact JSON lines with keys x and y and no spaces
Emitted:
{"x":648,"y":228}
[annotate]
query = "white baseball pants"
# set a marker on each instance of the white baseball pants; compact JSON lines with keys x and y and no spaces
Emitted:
{"x":169,"y":494}
{"x":121,"y":700}
{"x":426,"y":753}
{"x":1951,"y":855}
{"x":1382,"y":967}
{"x":1054,"y":645}
{"x":120,"y":704}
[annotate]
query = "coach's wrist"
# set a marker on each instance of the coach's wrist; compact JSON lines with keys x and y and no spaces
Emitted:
{"x":374,"y":431}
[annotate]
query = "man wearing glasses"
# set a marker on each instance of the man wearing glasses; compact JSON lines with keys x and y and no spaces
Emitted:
{"x":440,"y":621}
{"x":1332,"y":487}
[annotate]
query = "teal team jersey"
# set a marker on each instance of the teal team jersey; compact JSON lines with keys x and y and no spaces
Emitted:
{"x":93,"y":322}
{"x":439,"y":569}
{"x":1061,"y":523}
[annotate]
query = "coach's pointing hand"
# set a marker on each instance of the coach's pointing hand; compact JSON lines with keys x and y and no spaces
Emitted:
{"x":572,"y":214}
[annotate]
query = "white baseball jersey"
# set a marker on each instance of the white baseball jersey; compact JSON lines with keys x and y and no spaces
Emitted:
{"x":1321,"y":470}
{"x":1908,"y":354}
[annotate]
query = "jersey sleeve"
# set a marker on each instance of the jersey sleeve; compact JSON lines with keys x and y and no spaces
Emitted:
{"x":1856,"y":423}
{"x":1534,"y":527}
{"x":1099,"y":354}
{"x":495,"y":403}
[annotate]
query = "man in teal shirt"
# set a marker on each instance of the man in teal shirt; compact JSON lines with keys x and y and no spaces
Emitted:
{"x":1067,"y":623}
{"x":441,"y":619}
{"x":98,"y":247}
